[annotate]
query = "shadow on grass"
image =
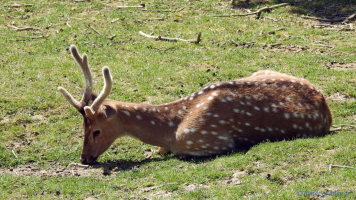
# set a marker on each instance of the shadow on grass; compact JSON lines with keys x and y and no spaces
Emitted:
{"x":127,"y":165}
{"x":329,"y":9}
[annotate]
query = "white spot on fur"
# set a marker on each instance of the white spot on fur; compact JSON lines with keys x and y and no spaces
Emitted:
{"x":189,"y":142}
{"x":229,"y":98}
{"x":153,"y":122}
{"x":222,"y":122}
{"x":203,"y":132}
{"x":213,"y":125}
{"x":210,"y":98}
{"x":138,"y":117}
{"x":223,"y":138}
{"x":184,"y":107}
{"x":256,"y":108}
{"x":286,"y":115}
{"x":214,"y":133}
{"x":266,"y":109}
{"x":179,"y":112}
{"x":215,"y":94}
{"x":249,"y":114}
{"x":186,"y":130}
{"x":247,"y":124}
{"x":236,"y":110}
{"x":135,"y":107}
{"x":216,"y":115}
{"x":170,"y":124}
{"x":201,"y":119}
{"x":126,"y":112}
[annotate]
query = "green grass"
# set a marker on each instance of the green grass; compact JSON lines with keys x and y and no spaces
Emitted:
{"x":45,"y":132}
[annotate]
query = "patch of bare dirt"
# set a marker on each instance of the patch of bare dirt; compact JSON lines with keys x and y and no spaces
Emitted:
{"x":288,"y":49}
{"x":341,"y":66}
{"x":234,"y":179}
{"x":337,"y":97}
{"x":59,"y":172}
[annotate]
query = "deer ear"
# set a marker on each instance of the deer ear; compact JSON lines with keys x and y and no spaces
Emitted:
{"x":110,"y":112}
{"x":93,"y":95}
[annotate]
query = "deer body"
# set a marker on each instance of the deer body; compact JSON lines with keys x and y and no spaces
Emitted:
{"x":217,"y":119}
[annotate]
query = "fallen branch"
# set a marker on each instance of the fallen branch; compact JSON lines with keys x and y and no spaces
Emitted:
{"x":351,"y":17}
{"x":142,"y":5}
{"x":257,"y":13}
{"x":78,"y":165}
{"x":323,"y":19}
{"x":196,"y":41}
{"x":339,"y":166}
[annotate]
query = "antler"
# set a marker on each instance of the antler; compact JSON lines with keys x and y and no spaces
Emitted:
{"x":83,"y":63}
{"x":89,"y":111}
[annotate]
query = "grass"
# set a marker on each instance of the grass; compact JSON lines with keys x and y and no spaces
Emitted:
{"x":45,"y":133}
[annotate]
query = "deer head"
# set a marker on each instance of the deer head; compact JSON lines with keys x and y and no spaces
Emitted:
{"x":99,"y":116}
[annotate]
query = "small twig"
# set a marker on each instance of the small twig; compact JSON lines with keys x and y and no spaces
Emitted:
{"x":323,"y":45}
{"x":342,"y":127}
{"x":172,"y":39}
{"x":111,"y":37}
{"x":176,"y":10}
{"x":150,"y":19}
{"x":21,"y":29}
{"x":155,"y":187}
{"x":78,"y":165}
{"x":142,"y":5}
{"x":339,"y":166}
{"x":258,"y":12}
{"x":14,"y":153}
{"x":95,"y":30}
{"x":68,"y":24}
{"x":115,"y":20}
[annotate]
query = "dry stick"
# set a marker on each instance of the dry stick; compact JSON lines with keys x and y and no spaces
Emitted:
{"x":155,"y":187}
{"x":351,"y":17}
{"x":115,"y":20}
{"x":342,"y":126}
{"x":95,"y":30}
{"x":68,"y":24}
{"x":324,"y":20}
{"x":21,"y":29}
{"x":177,"y":10}
{"x":339,"y":166}
{"x":14,"y":153}
{"x":258,"y":12}
{"x":171,"y":39}
{"x":140,"y":6}
{"x":78,"y":165}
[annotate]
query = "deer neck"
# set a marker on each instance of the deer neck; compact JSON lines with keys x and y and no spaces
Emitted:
{"x":151,"y":124}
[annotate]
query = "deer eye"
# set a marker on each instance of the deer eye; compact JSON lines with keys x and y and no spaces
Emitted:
{"x":96,"y":133}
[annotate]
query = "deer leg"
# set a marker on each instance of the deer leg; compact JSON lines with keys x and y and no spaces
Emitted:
{"x":162,"y":150}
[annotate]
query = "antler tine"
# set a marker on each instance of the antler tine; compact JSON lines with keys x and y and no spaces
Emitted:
{"x":70,"y":98}
{"x":83,"y":63}
{"x":106,"y":90}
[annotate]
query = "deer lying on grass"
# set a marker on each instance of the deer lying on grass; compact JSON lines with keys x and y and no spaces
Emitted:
{"x":217,"y":119}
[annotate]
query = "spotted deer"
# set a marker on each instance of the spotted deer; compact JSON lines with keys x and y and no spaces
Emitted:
{"x":267,"y":106}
